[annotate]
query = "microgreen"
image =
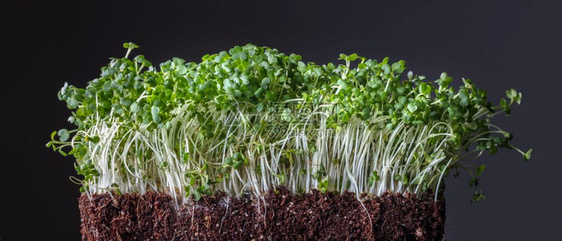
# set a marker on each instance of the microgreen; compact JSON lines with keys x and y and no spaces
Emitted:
{"x":252,"y":118}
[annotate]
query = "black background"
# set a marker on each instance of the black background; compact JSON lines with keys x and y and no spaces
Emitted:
{"x":498,"y":44}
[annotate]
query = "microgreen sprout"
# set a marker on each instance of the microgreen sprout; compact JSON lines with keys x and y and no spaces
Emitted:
{"x":253,"y":118}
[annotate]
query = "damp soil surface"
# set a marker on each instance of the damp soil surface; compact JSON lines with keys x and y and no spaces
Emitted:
{"x":277,"y":215}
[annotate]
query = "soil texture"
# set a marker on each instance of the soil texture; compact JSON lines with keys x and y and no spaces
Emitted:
{"x":277,"y":215}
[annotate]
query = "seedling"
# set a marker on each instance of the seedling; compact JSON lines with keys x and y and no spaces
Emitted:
{"x":253,"y":118}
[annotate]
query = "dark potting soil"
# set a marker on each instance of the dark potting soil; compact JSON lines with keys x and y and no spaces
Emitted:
{"x":279,"y":215}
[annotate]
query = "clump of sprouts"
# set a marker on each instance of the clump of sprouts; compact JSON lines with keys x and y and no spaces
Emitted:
{"x":253,"y":118}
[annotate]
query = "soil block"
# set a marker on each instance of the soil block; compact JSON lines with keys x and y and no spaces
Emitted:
{"x":277,"y":215}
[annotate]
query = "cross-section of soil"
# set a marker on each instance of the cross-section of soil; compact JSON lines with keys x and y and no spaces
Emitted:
{"x":278,"y":215}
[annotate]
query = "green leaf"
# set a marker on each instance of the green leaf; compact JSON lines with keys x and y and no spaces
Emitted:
{"x":265,"y":82}
{"x":384,"y":61}
{"x":405,"y":179}
{"x":187,"y":190}
{"x":107,"y":86}
{"x":341,"y":83}
{"x":301,"y":67}
{"x":412,"y":107}
{"x":63,"y":135}
{"x":323,"y":185}
{"x":72,"y":103}
{"x":463,"y":96}
{"x":518,"y":98}
{"x":204,"y":189}
{"x":511,"y":93}
{"x":366,"y":113}
{"x":425,"y":88}
{"x":478,"y":196}
{"x":386,"y":68}
{"x":352,"y":57}
{"x":135,"y":107}
{"x":527,"y":155}
{"x":503,"y":103}
{"x":142,"y":60}
{"x":443,"y":76}
{"x":245,"y":80}
{"x":398,"y":67}
{"x":196,"y":194}
{"x":480,"y":169}
{"x":237,"y":164}
{"x":130,"y":45}
{"x":259,"y":92}
{"x":390,"y":126}
{"x":260,"y":107}
{"x":295,"y":57}
{"x":374,"y":177}
{"x":154,"y":111}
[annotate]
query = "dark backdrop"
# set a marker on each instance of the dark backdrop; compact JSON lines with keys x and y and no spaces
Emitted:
{"x":499,"y":44}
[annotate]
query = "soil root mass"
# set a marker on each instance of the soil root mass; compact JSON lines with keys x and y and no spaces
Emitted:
{"x":277,"y":215}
